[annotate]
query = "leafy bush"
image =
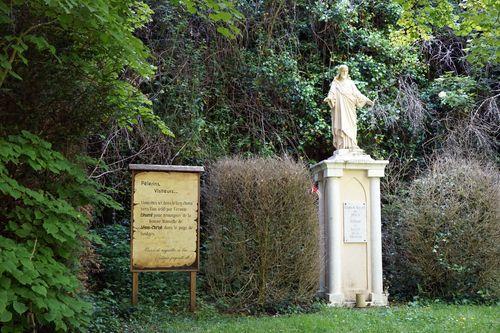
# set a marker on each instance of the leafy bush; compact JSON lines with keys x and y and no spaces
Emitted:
{"x":262,"y":251}
{"x":114,"y":258}
{"x":40,"y":236}
{"x":447,"y":235}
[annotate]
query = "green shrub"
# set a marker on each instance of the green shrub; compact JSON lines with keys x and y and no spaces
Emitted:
{"x":262,"y":250}
{"x":41,"y":235}
{"x":114,"y":258}
{"x":450,"y":231}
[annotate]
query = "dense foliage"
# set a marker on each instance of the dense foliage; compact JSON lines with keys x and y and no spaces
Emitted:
{"x":61,"y":77}
{"x":262,"y":93}
{"x":477,"y":20}
{"x":41,"y":236}
{"x":62,"y":66}
{"x":262,"y":241}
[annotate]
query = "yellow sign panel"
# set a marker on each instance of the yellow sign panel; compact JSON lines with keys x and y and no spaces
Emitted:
{"x":165,"y":220}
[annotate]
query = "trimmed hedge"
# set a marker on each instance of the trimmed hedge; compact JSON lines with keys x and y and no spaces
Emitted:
{"x":447,"y":234}
{"x":263,"y":233}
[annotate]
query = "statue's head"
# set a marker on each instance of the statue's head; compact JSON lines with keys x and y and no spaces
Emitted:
{"x":343,"y":72}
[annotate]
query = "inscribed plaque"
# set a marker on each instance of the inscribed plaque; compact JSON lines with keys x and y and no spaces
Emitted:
{"x":165,"y":220}
{"x":354,"y":222}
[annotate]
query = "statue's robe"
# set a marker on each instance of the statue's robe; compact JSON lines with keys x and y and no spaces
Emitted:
{"x":343,"y":98}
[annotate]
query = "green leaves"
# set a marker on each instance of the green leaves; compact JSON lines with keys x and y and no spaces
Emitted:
{"x":41,"y":43}
{"x":19,"y":307}
{"x":111,"y":22}
{"x":97,"y":38}
{"x":40,"y":290}
{"x":476,"y":20}
{"x":51,"y":228}
{"x":5,"y":316}
{"x":457,"y":93}
{"x":221,"y":12}
{"x":39,"y":243}
{"x":137,"y":106}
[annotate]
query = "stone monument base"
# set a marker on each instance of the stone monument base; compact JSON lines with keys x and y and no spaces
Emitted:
{"x":335,"y":299}
{"x":379,"y":299}
{"x":350,"y":227}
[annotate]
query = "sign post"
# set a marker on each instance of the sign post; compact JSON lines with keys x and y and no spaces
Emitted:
{"x":165,"y":222}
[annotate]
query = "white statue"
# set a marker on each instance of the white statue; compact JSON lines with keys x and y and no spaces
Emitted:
{"x":343,"y":98}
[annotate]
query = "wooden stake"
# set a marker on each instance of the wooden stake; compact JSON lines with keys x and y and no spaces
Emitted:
{"x":135,"y":287}
{"x":192,"y":291}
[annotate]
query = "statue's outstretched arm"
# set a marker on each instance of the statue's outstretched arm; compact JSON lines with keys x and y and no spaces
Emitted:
{"x":330,"y":102}
{"x":361,"y":99}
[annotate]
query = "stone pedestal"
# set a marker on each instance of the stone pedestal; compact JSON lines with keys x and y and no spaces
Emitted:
{"x":350,"y":227}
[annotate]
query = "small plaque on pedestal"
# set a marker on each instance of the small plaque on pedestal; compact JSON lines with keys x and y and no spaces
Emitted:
{"x":354,"y":222}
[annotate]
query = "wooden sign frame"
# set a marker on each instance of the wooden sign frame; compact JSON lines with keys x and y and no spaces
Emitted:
{"x":192,"y":269}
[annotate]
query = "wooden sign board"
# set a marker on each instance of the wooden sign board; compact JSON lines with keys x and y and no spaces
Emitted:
{"x":165,"y":219}
{"x":354,"y":222}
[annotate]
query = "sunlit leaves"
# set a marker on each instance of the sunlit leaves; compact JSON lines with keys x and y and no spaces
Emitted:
{"x":477,"y":20}
{"x":98,"y":37}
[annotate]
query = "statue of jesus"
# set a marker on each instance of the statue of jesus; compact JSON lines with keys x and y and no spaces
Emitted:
{"x":343,"y":99}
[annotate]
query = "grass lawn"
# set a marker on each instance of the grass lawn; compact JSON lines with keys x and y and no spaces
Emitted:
{"x":433,"y":318}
